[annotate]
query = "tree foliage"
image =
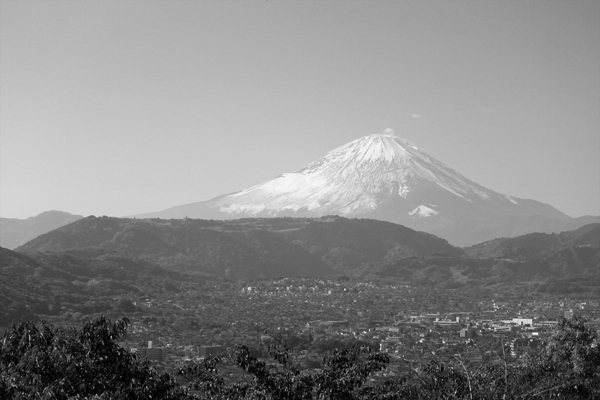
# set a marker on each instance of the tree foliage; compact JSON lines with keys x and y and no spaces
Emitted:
{"x":40,"y":361}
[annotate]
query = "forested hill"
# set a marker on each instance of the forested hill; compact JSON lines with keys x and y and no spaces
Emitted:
{"x":330,"y":246}
{"x":536,"y":245}
{"x":50,"y":284}
{"x":248,"y":247}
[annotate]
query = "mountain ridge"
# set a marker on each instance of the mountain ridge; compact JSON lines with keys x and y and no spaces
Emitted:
{"x":15,"y":232}
{"x":327,"y":247}
{"x":246,"y":247}
{"x":537,"y":244}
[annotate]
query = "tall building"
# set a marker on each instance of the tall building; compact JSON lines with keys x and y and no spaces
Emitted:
{"x":468,"y":333}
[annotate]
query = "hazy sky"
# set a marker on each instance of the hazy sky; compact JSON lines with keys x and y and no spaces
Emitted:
{"x":124,"y":107}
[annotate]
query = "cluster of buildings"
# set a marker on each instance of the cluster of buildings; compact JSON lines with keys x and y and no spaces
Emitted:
{"x":170,"y":353}
{"x":411,"y":324}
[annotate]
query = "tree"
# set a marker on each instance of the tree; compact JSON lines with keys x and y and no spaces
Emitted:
{"x":569,"y":366}
{"x":344,"y":372}
{"x":39,"y":361}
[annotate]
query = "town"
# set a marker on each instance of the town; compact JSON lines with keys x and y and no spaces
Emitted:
{"x":412,"y":324}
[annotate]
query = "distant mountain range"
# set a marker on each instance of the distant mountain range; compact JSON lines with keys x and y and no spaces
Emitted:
{"x":327,"y":247}
{"x":378,"y":176}
{"x":386,"y":178}
{"x":15,"y":232}
{"x":267,"y":247}
{"x":91,"y":263}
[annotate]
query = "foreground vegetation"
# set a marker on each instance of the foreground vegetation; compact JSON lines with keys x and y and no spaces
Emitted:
{"x":40,"y":361}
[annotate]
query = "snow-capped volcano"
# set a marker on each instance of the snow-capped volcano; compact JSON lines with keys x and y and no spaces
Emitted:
{"x":377,"y":176}
{"x":355,"y":179}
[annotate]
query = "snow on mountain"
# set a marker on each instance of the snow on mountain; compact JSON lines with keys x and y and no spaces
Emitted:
{"x":353,"y":179}
{"x":423,"y":211}
{"x":379,"y":176}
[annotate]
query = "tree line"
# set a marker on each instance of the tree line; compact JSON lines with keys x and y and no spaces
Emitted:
{"x":42,"y":361}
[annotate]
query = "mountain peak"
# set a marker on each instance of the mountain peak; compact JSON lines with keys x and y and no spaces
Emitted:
{"x":377,"y":147}
{"x":379,"y":176}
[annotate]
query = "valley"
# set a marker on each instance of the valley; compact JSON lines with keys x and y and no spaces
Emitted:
{"x":324,"y":283}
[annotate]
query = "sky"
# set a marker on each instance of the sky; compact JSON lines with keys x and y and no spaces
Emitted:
{"x":125,"y":107}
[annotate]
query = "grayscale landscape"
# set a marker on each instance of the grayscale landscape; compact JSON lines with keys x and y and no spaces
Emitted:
{"x":299,"y":200}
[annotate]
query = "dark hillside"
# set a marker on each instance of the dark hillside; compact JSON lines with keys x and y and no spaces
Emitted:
{"x":374,"y":240}
{"x":53,"y":284}
{"x":248,"y":247}
{"x":536,"y":244}
{"x":568,"y":262}
{"x":329,"y":246}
